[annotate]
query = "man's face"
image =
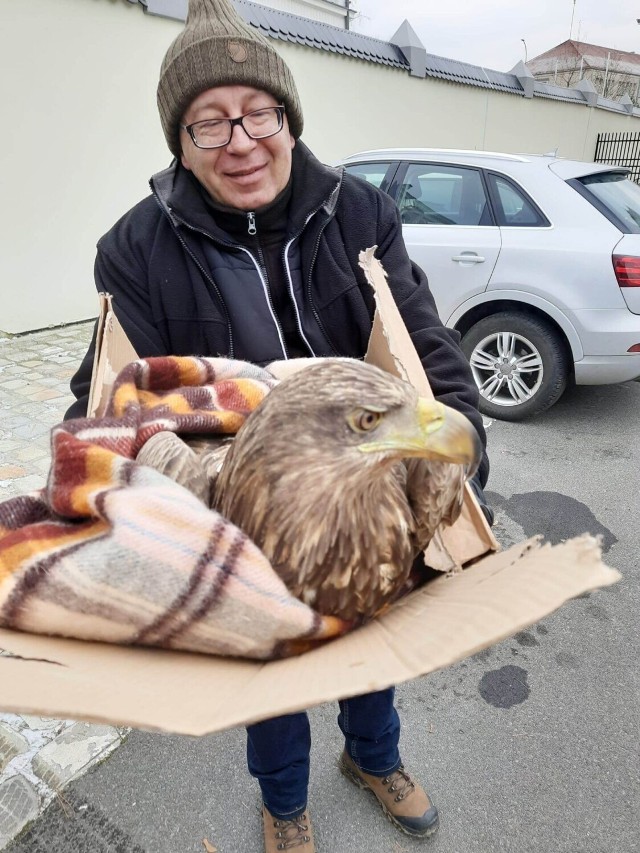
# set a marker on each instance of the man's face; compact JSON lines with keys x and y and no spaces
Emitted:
{"x":247,"y":173}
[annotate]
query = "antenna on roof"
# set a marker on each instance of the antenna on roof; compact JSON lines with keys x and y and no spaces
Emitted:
{"x":553,"y":153}
{"x":572,"y":16}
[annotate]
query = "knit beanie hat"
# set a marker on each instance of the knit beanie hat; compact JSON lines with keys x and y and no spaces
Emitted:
{"x":217,"y":48}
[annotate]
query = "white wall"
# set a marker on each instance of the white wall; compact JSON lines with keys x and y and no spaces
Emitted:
{"x":82,"y":136}
{"x":382,"y":106}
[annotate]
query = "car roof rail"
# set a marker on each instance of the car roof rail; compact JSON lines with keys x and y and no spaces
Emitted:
{"x":382,"y":152}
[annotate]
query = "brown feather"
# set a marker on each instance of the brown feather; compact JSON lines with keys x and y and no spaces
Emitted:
{"x":193,"y":461}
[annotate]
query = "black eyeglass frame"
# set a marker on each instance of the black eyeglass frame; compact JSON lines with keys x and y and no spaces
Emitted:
{"x":280,"y":110}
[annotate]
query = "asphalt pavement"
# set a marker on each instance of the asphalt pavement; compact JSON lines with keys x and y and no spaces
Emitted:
{"x":529,"y":747}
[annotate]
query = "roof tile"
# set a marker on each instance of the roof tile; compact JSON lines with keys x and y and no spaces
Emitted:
{"x":316,"y":34}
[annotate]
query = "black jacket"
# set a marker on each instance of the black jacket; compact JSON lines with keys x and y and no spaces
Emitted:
{"x":174,"y":275}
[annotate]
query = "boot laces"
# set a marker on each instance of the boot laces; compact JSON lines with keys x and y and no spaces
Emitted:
{"x":292,"y":833}
{"x":399,"y":783}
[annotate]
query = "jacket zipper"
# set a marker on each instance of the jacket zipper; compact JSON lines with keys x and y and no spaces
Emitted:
{"x":313,"y":307}
{"x":285,"y":260}
{"x":290,"y":281}
{"x":313,"y":262}
{"x":262,"y":268}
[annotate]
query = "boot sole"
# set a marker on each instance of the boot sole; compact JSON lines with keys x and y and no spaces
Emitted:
{"x":359,"y":782}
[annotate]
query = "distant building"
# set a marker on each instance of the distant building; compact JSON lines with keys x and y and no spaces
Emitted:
{"x":613,"y":73}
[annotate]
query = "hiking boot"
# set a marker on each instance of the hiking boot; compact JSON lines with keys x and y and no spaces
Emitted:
{"x":294,"y":834}
{"x":403,"y":801}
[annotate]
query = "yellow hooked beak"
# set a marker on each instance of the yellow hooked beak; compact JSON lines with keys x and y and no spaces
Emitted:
{"x":432,"y":431}
{"x":450,"y":436}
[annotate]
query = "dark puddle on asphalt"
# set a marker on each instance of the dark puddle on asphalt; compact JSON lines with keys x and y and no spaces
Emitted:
{"x":557,"y":517}
{"x":505,"y":687}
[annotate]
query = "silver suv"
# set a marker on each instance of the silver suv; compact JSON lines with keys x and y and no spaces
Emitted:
{"x":535,"y":260}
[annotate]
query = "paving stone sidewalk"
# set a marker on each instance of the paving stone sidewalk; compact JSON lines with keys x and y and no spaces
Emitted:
{"x":38,"y":757}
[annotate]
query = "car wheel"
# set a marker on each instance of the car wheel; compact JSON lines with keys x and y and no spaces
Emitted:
{"x":519,"y":364}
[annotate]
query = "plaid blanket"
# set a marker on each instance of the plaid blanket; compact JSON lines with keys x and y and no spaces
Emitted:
{"x":114,"y":551}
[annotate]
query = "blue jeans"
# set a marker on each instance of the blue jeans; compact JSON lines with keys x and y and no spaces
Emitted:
{"x":278,"y":749}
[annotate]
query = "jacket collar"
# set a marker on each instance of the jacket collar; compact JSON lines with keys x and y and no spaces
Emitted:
{"x":315,"y":187}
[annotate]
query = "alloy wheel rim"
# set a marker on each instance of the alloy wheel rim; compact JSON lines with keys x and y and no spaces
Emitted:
{"x":507,"y":368}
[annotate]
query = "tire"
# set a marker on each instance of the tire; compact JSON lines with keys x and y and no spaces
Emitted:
{"x":519,"y":364}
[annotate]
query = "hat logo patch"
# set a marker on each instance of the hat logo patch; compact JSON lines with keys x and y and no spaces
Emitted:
{"x":237,"y":51}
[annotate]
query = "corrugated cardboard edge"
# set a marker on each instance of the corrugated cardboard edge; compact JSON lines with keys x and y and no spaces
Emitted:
{"x":391,"y":348}
{"x":113,"y":352}
{"x":104,"y":300}
{"x":195,"y":694}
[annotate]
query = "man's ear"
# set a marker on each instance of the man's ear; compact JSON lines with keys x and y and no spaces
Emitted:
{"x":184,"y":161}
{"x":293,"y":142}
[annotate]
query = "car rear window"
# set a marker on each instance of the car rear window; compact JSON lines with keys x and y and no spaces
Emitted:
{"x":513,"y":207}
{"x":614,"y":195}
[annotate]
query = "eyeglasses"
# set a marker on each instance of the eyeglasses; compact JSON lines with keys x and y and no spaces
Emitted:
{"x":217,"y":132}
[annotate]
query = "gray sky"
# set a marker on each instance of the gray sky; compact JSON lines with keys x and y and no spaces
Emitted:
{"x":489,"y":32}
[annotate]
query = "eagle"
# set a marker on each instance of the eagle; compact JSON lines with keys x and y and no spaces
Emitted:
{"x":342,"y":476}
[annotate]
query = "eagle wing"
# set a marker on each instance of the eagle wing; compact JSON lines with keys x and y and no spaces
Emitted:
{"x":435,"y":491}
{"x":192,"y":461}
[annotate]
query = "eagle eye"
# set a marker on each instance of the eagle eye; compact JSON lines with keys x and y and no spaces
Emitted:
{"x":364,"y":420}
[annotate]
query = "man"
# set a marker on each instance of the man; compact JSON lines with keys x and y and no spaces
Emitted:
{"x":248,"y":248}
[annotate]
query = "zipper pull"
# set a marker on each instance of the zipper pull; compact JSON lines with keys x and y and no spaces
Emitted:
{"x":252,"y":224}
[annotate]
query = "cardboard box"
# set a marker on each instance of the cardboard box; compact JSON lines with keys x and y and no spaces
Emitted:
{"x":113,"y":352}
{"x":449,"y":619}
{"x":390,"y":347}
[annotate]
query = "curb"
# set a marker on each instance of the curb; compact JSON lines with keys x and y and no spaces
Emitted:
{"x":39,"y":757}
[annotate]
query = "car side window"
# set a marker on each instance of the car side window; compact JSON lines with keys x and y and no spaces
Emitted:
{"x":513,"y":207}
{"x":443,"y":195}
{"x":373,"y":173}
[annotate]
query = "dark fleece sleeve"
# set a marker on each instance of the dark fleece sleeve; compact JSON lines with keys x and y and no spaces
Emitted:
{"x":444,"y":362}
{"x":121,"y":270}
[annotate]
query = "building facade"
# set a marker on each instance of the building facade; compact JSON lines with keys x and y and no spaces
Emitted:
{"x":613,"y":73}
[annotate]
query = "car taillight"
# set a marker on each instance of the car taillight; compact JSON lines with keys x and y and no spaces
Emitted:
{"x":627,"y":270}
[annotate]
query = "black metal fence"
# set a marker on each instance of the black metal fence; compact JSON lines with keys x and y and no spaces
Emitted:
{"x":620,"y":149}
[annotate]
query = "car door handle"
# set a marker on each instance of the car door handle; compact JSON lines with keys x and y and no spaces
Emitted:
{"x":468,"y":259}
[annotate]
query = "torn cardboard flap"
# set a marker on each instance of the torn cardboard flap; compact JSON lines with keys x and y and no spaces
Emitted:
{"x":113,"y":352}
{"x":390,"y":345}
{"x":390,"y":348}
{"x":447,"y":620}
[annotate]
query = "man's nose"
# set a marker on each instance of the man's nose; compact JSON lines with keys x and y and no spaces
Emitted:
{"x":240,"y":140}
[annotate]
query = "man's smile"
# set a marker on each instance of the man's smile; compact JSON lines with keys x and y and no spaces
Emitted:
{"x":246,"y":175}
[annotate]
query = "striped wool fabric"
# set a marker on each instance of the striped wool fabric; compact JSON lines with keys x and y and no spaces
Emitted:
{"x":114,"y":551}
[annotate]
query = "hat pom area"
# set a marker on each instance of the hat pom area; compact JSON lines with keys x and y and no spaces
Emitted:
{"x":218,"y":48}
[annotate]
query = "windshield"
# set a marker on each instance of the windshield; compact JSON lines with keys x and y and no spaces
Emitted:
{"x":618,"y":196}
